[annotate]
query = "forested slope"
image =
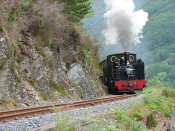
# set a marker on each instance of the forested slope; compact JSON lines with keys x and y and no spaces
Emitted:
{"x":159,"y":40}
{"x":157,"y":48}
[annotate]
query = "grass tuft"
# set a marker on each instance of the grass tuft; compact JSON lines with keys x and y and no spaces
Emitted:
{"x":8,"y":103}
{"x":168,"y":92}
{"x":44,"y":96}
{"x":41,"y":52}
{"x":58,"y":88}
{"x":151,"y":121}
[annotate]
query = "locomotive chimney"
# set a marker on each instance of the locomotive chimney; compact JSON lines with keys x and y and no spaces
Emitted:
{"x":126,"y":56}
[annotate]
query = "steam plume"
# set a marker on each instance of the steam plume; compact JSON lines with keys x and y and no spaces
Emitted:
{"x":124,"y":24}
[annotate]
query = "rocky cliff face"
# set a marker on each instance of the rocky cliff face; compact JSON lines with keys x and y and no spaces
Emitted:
{"x":46,"y":58}
{"x":37,"y":76}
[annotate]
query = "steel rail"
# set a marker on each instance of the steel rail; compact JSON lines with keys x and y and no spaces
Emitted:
{"x":6,"y":116}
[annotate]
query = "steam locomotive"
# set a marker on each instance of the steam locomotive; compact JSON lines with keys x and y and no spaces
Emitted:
{"x":123,"y":73}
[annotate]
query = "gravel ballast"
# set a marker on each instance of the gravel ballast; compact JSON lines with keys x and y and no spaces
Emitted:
{"x":29,"y":124}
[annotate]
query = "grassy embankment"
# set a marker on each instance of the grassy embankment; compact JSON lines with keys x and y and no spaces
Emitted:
{"x":153,"y":112}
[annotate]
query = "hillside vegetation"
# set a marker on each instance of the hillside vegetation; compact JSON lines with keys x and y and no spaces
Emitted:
{"x":45,"y":53}
{"x":158,"y":45}
{"x":159,"y":40}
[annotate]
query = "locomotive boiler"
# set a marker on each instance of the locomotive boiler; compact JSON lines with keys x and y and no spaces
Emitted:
{"x":123,"y":72}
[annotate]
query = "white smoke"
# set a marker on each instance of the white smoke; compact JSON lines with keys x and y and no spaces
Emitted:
{"x":124,"y":24}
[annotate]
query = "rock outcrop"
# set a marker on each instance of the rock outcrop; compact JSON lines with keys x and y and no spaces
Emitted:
{"x":36,"y":76}
{"x":44,"y":56}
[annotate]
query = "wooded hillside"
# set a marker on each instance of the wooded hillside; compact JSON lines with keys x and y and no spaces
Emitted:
{"x":157,"y":48}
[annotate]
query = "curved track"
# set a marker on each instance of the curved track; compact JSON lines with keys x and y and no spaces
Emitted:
{"x":36,"y":111}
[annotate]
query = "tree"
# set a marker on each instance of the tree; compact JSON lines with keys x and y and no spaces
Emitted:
{"x":76,"y":10}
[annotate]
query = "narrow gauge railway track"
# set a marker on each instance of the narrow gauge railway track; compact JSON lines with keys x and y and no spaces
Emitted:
{"x":6,"y":116}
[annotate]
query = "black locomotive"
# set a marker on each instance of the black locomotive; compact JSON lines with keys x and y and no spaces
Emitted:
{"x":123,"y":73}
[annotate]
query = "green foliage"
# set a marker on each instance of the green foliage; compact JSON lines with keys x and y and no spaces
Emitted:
{"x":44,"y":96}
{"x":13,"y":15}
{"x":49,"y":43}
{"x":159,"y":39}
{"x":111,"y":128}
{"x":42,"y":53}
{"x":138,"y":116}
{"x":68,"y":59}
{"x":151,"y":122}
{"x":155,"y":104}
{"x":41,"y":21}
{"x":158,"y":101}
{"x":13,"y":66}
{"x":75,"y":58}
{"x":58,"y":88}
{"x":77,"y":10}
{"x":127,"y":121}
{"x":56,"y":109}
{"x":86,"y":56}
{"x":19,"y":43}
{"x":8,"y":103}
{"x":49,"y":62}
{"x":26,"y":6}
{"x":155,"y":83}
{"x":168,"y":92}
{"x":159,"y":104}
{"x":63,"y":125}
{"x":79,"y":88}
{"x":12,"y":18}
{"x":39,"y":25}
{"x":147,"y":90}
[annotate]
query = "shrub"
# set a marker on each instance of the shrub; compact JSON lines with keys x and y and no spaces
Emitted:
{"x":151,"y":121}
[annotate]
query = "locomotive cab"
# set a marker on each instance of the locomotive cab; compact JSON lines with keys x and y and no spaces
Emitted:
{"x":123,"y":73}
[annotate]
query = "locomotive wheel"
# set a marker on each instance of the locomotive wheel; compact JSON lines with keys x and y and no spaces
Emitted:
{"x":112,"y":90}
